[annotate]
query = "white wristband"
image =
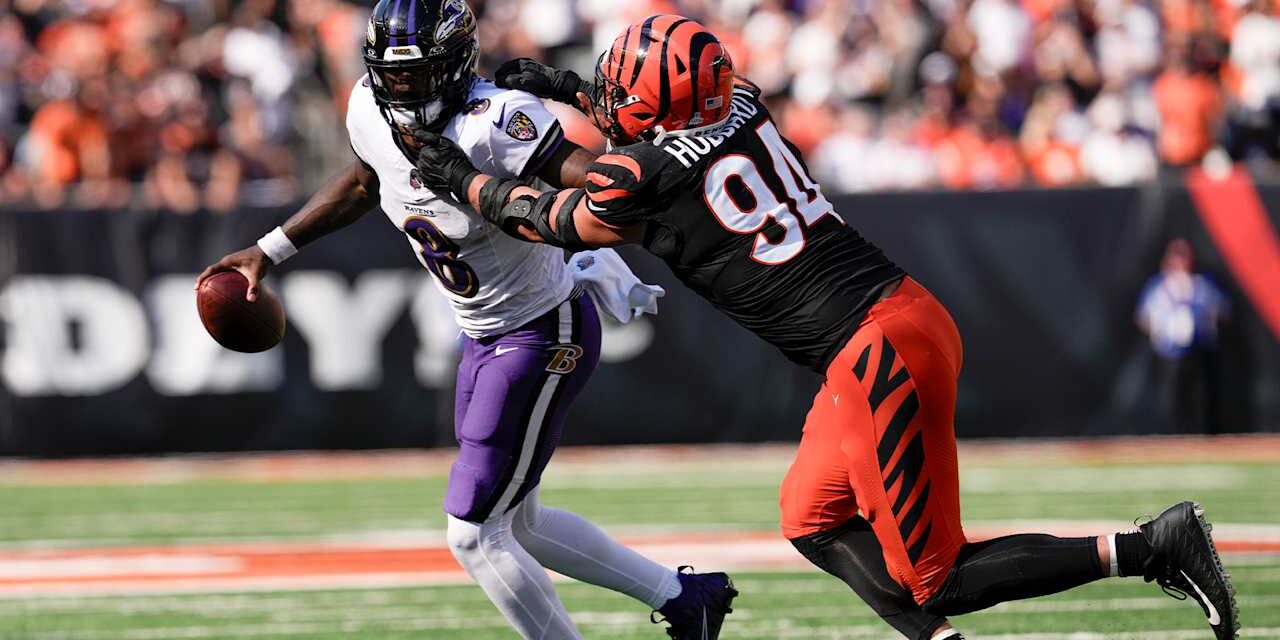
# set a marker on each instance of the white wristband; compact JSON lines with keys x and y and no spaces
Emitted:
{"x":277,"y":246}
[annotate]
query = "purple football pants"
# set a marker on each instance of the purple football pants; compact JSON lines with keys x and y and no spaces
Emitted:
{"x":514,"y":391}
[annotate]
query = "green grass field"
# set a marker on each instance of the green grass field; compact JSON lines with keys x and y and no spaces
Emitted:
{"x":645,"y":493}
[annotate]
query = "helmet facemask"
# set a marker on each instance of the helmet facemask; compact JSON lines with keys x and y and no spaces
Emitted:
{"x":420,"y":94}
{"x":609,"y":96}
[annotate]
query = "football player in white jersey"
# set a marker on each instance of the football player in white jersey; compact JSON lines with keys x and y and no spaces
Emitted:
{"x":532,"y":339}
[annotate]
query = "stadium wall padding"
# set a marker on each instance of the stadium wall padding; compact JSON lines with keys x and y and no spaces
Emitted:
{"x":101,"y":351}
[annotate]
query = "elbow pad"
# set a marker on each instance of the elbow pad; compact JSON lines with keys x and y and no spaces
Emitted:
{"x":566,"y":228}
{"x":524,"y":212}
{"x":493,"y":199}
{"x":536,"y":214}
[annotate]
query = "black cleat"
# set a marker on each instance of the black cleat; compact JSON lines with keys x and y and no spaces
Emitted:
{"x":1185,"y":564}
{"x":699,"y":610}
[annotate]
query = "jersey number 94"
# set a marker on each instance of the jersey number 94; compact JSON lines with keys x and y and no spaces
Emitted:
{"x":802,"y":196}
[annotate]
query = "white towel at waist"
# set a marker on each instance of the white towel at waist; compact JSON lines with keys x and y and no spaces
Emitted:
{"x":616,"y":291}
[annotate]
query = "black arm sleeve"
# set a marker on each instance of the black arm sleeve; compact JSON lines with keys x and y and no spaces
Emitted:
{"x":566,"y":229}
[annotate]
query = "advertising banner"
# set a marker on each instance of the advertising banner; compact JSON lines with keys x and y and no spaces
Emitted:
{"x":101,"y":351}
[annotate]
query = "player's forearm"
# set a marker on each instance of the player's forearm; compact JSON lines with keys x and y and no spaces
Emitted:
{"x":338,"y":203}
{"x":567,"y":206}
{"x":473,"y":198}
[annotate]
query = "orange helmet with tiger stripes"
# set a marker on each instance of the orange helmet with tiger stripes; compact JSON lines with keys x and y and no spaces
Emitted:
{"x":663,"y":73}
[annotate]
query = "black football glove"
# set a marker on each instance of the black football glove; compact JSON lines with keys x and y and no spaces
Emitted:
{"x":443,"y":166}
{"x":534,"y":77}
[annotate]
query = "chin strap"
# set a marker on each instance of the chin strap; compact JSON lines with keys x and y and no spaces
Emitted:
{"x":435,"y":125}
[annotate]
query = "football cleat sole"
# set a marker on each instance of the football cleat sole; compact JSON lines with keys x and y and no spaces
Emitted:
{"x":1206,"y":529}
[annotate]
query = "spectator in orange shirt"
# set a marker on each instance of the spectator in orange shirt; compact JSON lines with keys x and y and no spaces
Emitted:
{"x":1051,"y":135}
{"x":959,"y":75}
{"x":980,"y":155}
{"x":1183,"y":18}
{"x":1189,"y":108}
{"x":69,"y":138}
{"x":807,"y":125}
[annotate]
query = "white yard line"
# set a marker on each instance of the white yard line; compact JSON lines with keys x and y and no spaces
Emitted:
{"x":232,"y":602}
{"x":601,"y":618}
{"x":311,"y":466}
{"x":411,"y":537}
{"x":233,"y":585}
{"x":386,"y":623}
{"x":381,"y":612}
{"x":226,"y":568}
{"x":89,"y":566}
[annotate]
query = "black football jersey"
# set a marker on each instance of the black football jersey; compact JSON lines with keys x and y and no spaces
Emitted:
{"x":736,"y":216}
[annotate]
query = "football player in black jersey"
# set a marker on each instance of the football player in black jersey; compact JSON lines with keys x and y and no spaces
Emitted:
{"x":701,"y":177}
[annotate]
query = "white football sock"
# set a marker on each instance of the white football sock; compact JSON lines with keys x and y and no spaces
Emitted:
{"x":1113,"y":570}
{"x":512,"y":579}
{"x":571,"y":545}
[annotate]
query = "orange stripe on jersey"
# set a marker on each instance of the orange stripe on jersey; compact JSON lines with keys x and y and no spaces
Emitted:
{"x":599,"y":180}
{"x":626,"y":162}
{"x":607,"y":194}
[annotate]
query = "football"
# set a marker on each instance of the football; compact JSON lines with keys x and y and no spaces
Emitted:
{"x":236,"y":323}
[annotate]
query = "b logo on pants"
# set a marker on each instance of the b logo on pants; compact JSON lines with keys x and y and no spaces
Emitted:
{"x":565,"y":359}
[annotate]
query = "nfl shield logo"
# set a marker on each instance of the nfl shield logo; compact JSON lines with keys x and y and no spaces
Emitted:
{"x":521,"y":127}
{"x":415,"y":179}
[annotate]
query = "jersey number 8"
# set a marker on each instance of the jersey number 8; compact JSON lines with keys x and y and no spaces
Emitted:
{"x":440,"y":255}
{"x":803,"y":197}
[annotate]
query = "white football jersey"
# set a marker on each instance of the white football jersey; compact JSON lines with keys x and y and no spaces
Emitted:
{"x":495,"y":282}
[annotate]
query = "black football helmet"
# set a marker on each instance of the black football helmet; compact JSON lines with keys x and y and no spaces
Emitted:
{"x":421,"y":56}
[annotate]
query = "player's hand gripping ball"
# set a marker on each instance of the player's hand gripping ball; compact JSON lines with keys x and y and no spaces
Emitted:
{"x":235,"y":322}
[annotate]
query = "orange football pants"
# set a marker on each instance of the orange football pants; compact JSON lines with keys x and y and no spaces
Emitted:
{"x":880,"y":440}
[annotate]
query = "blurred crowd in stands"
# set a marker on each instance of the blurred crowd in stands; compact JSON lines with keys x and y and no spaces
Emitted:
{"x":190,"y":104}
